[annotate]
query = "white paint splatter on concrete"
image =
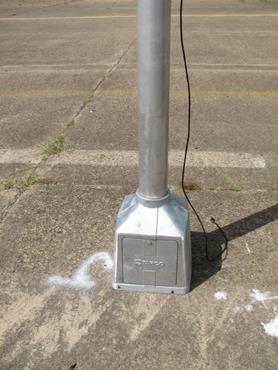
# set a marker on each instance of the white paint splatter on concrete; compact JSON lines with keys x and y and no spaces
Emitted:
{"x":271,"y":328}
{"x":261,"y":297}
{"x":81,"y":278}
{"x":248,"y":249}
{"x":259,"y":162}
{"x":220,"y":296}
{"x":248,"y":308}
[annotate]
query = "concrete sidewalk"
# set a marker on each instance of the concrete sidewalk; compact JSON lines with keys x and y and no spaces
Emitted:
{"x":68,"y":142}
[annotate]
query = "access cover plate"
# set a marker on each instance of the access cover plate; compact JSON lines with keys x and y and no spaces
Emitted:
{"x":149,"y":261}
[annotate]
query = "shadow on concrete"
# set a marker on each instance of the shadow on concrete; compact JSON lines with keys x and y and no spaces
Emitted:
{"x":203,"y":269}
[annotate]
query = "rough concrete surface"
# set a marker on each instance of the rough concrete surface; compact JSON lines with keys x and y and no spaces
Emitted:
{"x":69,"y":68}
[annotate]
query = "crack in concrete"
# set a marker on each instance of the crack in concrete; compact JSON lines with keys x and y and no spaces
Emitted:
{"x":43,"y":164}
{"x":110,"y":70}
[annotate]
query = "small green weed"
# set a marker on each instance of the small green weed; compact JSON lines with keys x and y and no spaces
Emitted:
{"x":21,"y":183}
{"x":235,"y":188}
{"x":54,"y":145}
{"x":86,"y":101}
{"x":69,"y":123}
{"x":6,"y":184}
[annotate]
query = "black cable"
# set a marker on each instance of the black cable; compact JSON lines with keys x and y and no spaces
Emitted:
{"x":186,"y":152}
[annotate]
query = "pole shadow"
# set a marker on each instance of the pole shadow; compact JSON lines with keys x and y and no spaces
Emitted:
{"x":202,"y":269}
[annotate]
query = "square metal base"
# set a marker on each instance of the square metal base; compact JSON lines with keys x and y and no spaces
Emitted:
{"x":153,"y":247}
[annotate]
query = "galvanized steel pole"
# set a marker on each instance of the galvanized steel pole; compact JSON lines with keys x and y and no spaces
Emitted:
{"x":152,"y":237}
{"x":154,"y":21}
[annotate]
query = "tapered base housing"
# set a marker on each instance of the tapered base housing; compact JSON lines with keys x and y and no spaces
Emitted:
{"x":153,"y":246}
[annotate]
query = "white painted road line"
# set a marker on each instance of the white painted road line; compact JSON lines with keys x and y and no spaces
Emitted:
{"x":132,"y":92}
{"x":131,"y":16}
{"x":129,"y":158}
{"x":17,"y":68}
{"x":20,"y":156}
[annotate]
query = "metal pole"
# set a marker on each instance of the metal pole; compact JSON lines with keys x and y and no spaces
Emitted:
{"x":154,"y":20}
{"x":153,"y":247}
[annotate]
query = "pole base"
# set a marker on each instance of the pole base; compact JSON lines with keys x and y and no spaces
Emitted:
{"x":153,"y":247}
